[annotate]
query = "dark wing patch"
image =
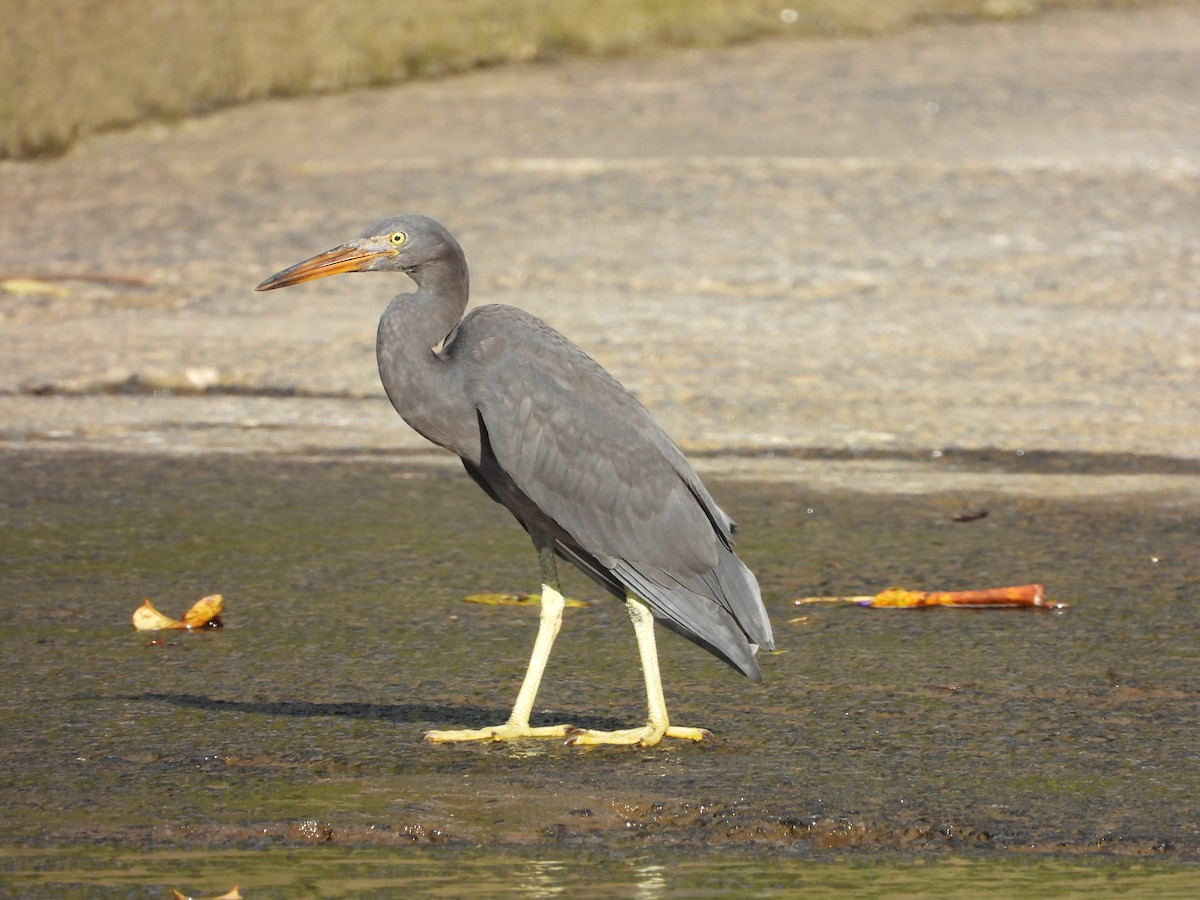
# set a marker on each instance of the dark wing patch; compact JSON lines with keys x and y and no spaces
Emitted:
{"x":588,"y":455}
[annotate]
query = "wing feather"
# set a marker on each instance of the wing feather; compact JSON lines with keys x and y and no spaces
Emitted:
{"x":589,"y":458}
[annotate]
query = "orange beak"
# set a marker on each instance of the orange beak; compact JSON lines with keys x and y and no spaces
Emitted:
{"x":346,"y":258}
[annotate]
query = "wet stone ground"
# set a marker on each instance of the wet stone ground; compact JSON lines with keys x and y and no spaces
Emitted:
{"x":346,"y":636}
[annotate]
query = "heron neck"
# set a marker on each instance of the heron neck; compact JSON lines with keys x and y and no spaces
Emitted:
{"x":426,"y":387}
{"x":445,"y":285}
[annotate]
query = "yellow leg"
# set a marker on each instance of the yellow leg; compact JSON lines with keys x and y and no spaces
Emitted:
{"x":657,"y":726}
{"x":517,"y":725}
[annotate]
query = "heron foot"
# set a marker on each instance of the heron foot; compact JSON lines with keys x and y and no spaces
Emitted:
{"x":646,"y":736}
{"x":506,"y":732}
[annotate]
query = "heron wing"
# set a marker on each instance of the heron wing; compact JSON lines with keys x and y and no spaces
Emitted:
{"x":591,"y":459}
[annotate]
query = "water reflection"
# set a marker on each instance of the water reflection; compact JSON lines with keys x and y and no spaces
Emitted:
{"x":650,"y":880}
{"x":544,"y":878}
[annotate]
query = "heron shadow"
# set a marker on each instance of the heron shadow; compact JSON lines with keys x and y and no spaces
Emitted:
{"x":424,"y":713}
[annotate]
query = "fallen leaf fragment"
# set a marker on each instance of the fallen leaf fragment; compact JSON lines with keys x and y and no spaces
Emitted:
{"x":972,"y":516}
{"x":147,"y":618}
{"x":231,"y":894}
{"x":518,"y":599}
{"x":1025,"y":595}
{"x":205,"y":613}
{"x":32,"y":287}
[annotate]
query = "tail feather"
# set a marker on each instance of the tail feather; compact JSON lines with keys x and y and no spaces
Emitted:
{"x":720,"y":610}
{"x":692,"y":611}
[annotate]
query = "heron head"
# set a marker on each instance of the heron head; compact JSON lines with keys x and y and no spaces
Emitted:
{"x":401,"y":243}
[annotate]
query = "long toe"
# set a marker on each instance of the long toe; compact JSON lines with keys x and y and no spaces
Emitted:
{"x":506,"y":732}
{"x":646,"y":736}
{"x":689,"y":734}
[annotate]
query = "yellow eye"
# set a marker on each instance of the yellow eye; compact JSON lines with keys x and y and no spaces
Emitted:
{"x":397,"y":238}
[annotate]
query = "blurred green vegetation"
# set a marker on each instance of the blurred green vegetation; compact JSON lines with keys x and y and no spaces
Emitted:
{"x":72,"y":67}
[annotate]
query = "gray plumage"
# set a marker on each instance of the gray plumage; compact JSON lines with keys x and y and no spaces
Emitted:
{"x":548,"y":433}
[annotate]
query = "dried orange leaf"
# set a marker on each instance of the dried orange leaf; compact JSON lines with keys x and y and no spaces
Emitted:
{"x":518,"y":599}
{"x":995,"y":598}
{"x":899,"y":598}
{"x":1027,"y":595}
{"x":147,"y":618}
{"x":203,"y":611}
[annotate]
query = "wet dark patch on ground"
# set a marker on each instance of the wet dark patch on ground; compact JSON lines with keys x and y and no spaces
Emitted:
{"x":299,"y":723}
{"x":965,"y":460}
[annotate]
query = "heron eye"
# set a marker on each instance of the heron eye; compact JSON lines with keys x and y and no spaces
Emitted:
{"x":397,"y":238}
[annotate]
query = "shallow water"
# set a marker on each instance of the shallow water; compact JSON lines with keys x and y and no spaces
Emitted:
{"x":917,"y":749}
{"x":341,"y":872}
